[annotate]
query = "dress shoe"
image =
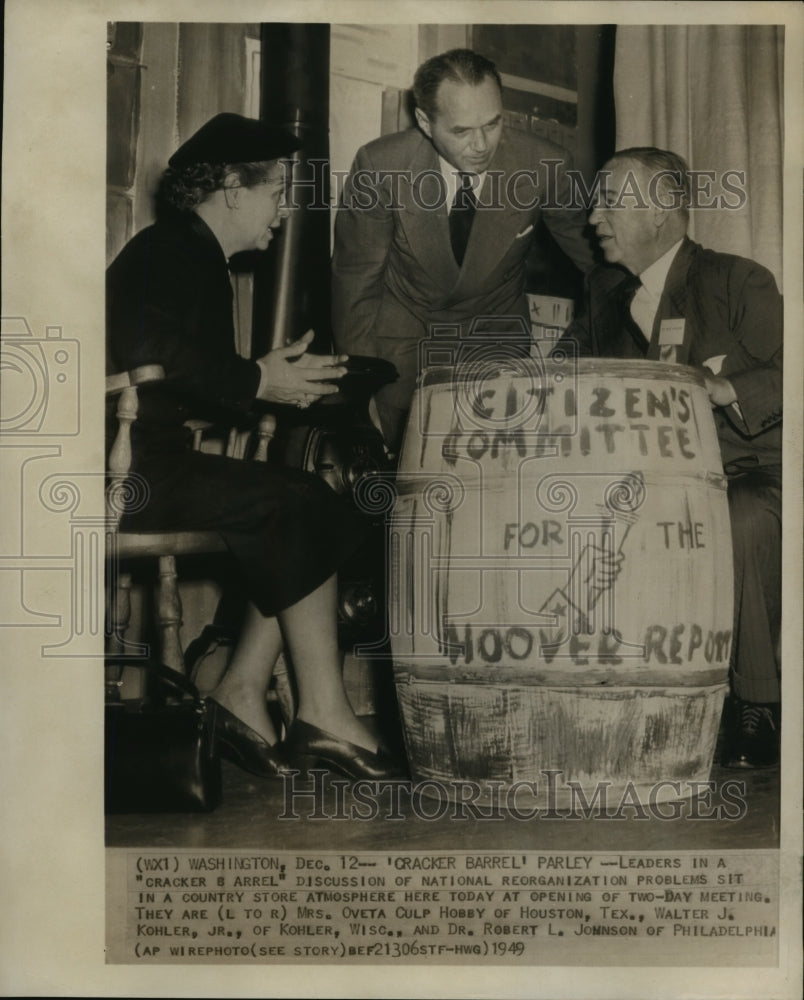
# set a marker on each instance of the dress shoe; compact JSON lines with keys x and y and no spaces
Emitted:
{"x":754,"y":735}
{"x":244,"y":746}
{"x":307,"y":747}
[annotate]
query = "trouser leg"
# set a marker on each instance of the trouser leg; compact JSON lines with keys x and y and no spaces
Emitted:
{"x":755,"y":503}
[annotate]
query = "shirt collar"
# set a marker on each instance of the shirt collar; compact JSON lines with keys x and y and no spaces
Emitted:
{"x":654,"y":278}
{"x":452,"y":177}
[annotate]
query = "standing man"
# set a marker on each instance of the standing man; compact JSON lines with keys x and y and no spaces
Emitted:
{"x":723,"y":314}
{"x":436,"y":222}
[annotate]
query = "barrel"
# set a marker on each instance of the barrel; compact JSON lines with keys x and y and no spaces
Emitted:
{"x":560,"y":581}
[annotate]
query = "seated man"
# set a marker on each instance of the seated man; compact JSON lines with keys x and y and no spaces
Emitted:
{"x":723,"y":314}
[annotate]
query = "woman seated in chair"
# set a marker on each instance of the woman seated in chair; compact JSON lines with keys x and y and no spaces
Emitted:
{"x":169,"y":303}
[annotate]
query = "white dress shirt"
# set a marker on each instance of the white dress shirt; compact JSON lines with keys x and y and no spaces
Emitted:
{"x":645,"y":303}
{"x":452,"y":178}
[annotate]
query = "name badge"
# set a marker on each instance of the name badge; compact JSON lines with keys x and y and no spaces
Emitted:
{"x":671,"y":331}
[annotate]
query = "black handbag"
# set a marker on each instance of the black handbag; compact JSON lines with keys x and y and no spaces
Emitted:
{"x":160,"y":752}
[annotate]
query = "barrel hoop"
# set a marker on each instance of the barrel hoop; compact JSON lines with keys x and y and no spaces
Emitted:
{"x":553,"y":677}
{"x":606,"y":367}
{"x":408,"y":487}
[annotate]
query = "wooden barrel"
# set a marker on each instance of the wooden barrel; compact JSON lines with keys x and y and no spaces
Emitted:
{"x":561,"y":579}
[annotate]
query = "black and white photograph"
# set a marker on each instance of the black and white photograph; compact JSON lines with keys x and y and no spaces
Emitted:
{"x":401,"y":578}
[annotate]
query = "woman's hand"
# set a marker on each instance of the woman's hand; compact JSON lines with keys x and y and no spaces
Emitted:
{"x":291,"y":376}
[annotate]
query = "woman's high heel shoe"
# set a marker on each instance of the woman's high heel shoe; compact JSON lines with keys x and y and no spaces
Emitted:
{"x":244,"y":746}
{"x":307,"y":746}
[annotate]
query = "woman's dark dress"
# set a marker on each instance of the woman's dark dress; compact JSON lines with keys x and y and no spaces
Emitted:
{"x":169,"y":302}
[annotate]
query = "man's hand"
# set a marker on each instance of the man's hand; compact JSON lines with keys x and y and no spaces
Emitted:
{"x":602,"y":567}
{"x":721,"y":391}
{"x":289,"y":375}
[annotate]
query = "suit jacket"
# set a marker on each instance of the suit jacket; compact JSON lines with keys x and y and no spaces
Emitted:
{"x":169,"y":302}
{"x":731,"y":310}
{"x":394,"y":272}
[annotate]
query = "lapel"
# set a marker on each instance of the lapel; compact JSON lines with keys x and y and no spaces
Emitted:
{"x":427,"y":228}
{"x":613,"y":332}
{"x":617,"y":325}
{"x":673,"y":303}
{"x":495,"y":227}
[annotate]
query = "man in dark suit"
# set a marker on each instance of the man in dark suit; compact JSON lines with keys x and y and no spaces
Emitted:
{"x":669,"y":299}
{"x":436,"y":222}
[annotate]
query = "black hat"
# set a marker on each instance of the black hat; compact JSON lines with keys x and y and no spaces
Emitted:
{"x":230,"y":138}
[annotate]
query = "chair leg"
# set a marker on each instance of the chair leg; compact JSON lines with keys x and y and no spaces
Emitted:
{"x":118,"y":612}
{"x":168,"y":614}
{"x":118,"y":616}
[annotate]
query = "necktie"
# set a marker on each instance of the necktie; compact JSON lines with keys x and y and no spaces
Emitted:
{"x":461,"y":216}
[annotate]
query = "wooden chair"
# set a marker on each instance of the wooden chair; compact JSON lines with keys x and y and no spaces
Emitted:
{"x":164,"y":546}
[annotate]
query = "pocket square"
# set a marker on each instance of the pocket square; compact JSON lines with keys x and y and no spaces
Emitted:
{"x":525,"y":232}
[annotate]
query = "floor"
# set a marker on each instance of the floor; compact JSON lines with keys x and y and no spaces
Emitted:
{"x":742,"y":812}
